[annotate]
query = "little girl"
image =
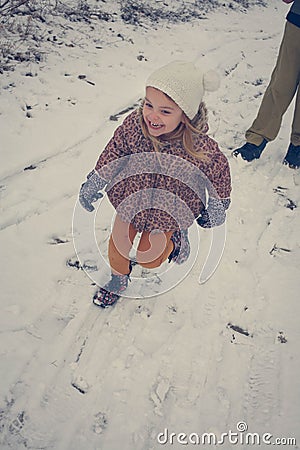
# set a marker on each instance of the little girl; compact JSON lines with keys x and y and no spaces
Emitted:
{"x":170,"y":127}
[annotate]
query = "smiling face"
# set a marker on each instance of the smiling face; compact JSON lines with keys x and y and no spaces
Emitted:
{"x":160,"y":113}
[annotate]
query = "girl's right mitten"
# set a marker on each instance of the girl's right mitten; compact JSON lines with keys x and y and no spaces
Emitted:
{"x":90,"y":190}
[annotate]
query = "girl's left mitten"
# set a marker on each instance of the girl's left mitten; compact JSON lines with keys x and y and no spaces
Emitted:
{"x":215,"y":213}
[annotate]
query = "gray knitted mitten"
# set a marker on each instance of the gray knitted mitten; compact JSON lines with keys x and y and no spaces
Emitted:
{"x":90,"y":190}
{"x":215,"y":213}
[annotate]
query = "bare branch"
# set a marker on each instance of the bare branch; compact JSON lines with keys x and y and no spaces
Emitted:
{"x":12,"y":7}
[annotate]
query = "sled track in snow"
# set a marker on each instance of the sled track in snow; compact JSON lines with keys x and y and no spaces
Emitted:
{"x":262,"y":395}
{"x":26,"y":178}
{"x":36,"y":432}
{"x":80,"y":369}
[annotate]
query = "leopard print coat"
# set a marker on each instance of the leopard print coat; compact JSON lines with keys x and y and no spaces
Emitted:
{"x":163,"y":191}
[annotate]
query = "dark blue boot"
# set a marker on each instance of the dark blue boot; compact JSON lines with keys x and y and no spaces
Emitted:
{"x":250,"y":151}
{"x":292,"y":158}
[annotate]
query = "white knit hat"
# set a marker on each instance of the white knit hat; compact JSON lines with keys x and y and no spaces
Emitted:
{"x":184,"y":83}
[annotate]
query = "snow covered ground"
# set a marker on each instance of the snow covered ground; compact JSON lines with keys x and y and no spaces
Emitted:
{"x":196,"y":359}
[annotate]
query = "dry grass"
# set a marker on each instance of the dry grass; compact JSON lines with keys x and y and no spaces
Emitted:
{"x":24,"y":23}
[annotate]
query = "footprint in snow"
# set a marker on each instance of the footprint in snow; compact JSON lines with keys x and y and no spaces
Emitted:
{"x":88,"y":265}
{"x":159,"y":394}
{"x":17,"y":424}
{"x":143,"y":311}
{"x":56,"y":240}
{"x":80,"y":384}
{"x":285,"y":201}
{"x":100,"y":422}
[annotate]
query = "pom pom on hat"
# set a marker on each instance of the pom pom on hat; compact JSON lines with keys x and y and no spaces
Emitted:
{"x":185,"y":83}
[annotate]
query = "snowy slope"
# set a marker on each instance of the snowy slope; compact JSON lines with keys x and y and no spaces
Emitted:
{"x":196,"y":359}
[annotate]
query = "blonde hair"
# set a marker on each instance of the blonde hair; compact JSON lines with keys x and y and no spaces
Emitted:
{"x":185,"y":131}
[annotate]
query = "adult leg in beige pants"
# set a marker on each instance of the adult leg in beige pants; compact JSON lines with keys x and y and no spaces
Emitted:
{"x":283,"y":85}
{"x":153,"y":248}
